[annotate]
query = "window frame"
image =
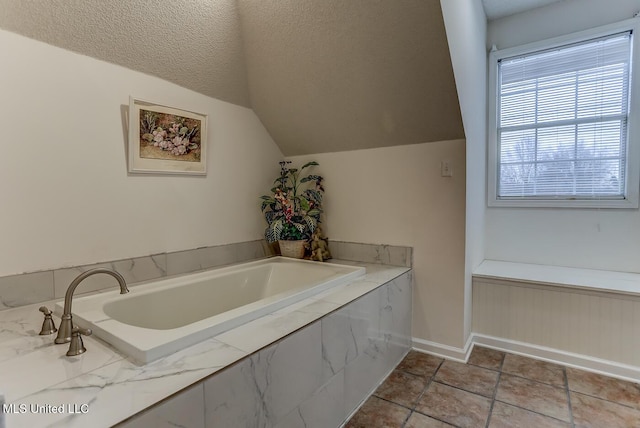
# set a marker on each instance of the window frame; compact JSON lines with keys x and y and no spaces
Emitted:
{"x":632,"y":178}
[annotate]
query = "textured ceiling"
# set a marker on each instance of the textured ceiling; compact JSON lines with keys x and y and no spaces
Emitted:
{"x":194,"y":43}
{"x":322,"y":75}
{"x":495,"y":9}
{"x":334,"y":75}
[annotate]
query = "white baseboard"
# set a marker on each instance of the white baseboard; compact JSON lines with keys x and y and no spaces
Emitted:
{"x":444,"y":351}
{"x":579,"y":361}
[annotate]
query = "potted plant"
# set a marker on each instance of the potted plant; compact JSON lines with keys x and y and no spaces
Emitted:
{"x":293,"y":210}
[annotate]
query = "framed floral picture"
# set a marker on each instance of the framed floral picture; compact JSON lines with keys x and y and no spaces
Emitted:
{"x":166,"y":140}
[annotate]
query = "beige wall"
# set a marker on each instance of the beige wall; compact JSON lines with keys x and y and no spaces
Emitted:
{"x":66,"y":196}
{"x":395,"y":195}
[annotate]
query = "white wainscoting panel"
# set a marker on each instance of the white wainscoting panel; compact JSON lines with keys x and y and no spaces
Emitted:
{"x":594,"y":324}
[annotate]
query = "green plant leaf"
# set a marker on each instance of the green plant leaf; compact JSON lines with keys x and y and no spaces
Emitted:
{"x":312,"y":163}
{"x":311,"y":178}
{"x":304,"y":204}
{"x":314,"y":212}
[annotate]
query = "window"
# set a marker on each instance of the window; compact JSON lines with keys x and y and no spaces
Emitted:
{"x":561,"y":130}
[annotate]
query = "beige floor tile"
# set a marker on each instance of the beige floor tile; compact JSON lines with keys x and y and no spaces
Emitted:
{"x":420,"y":364}
{"x":487,"y":358}
{"x":470,"y":378}
{"x":535,"y":396}
{"x":377,"y":413}
{"x":402,"y":388}
{"x":457,"y":407}
{"x":507,"y":416}
{"x":529,"y":368}
{"x":593,"y":412}
{"x":530,"y":393}
{"x":608,"y":388}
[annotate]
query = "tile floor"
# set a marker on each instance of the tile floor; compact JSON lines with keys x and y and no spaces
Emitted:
{"x":495,"y":389}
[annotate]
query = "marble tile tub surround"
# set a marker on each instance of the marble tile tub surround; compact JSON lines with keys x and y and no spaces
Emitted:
{"x":28,"y":288}
{"x":317,"y":376}
{"x":34,"y":371}
{"x":372,"y":253}
{"x":35,"y":287}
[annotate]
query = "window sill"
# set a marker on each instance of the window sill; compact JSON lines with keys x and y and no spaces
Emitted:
{"x":584,"y":279}
{"x":563,"y":203}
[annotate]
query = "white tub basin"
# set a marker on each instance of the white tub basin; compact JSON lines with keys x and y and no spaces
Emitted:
{"x":161,"y":317}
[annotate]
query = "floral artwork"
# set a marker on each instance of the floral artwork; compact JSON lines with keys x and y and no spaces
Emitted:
{"x":165,"y":136}
{"x":166,"y":140}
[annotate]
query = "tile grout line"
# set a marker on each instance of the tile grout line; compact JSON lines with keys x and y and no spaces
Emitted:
{"x":532,"y":411}
{"x":429,"y":382}
{"x":534,"y":380}
{"x":543,"y":383}
{"x":604,"y":399}
{"x":566,"y":385}
{"x":389,"y":401}
{"x":412,"y":407}
{"x":493,"y":401}
{"x":495,"y":392}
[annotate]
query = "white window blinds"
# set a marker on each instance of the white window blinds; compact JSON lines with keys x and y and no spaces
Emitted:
{"x":562,"y":121}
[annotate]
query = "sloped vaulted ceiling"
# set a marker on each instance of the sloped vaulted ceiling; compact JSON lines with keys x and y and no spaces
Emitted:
{"x":194,"y":43}
{"x":333,"y":75}
{"x":322,"y":75}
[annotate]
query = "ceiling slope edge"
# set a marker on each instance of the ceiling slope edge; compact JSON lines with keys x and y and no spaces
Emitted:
{"x":329,"y":76}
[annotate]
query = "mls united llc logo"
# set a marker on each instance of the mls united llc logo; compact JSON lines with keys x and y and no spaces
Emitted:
{"x":45,"y":408}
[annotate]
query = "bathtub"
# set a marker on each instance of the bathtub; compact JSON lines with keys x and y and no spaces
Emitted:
{"x":161,"y":317}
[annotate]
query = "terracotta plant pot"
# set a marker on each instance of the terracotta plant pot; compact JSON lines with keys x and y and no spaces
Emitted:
{"x":293,"y":249}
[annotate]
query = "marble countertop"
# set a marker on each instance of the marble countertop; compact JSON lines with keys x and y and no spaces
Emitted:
{"x":102,"y":387}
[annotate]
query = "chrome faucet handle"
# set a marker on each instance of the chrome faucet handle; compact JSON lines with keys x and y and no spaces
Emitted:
{"x":76,"y":347}
{"x":48,"y":326}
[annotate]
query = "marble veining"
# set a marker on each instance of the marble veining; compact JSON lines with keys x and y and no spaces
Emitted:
{"x":133,"y":271}
{"x":35,"y":371}
{"x":372,"y":253}
{"x":184,"y":410}
{"x":20,"y":290}
{"x":28,"y":288}
{"x":325,"y":409}
{"x":279,"y":386}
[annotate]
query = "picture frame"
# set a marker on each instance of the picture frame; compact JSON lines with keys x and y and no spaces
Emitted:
{"x":166,"y":140}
